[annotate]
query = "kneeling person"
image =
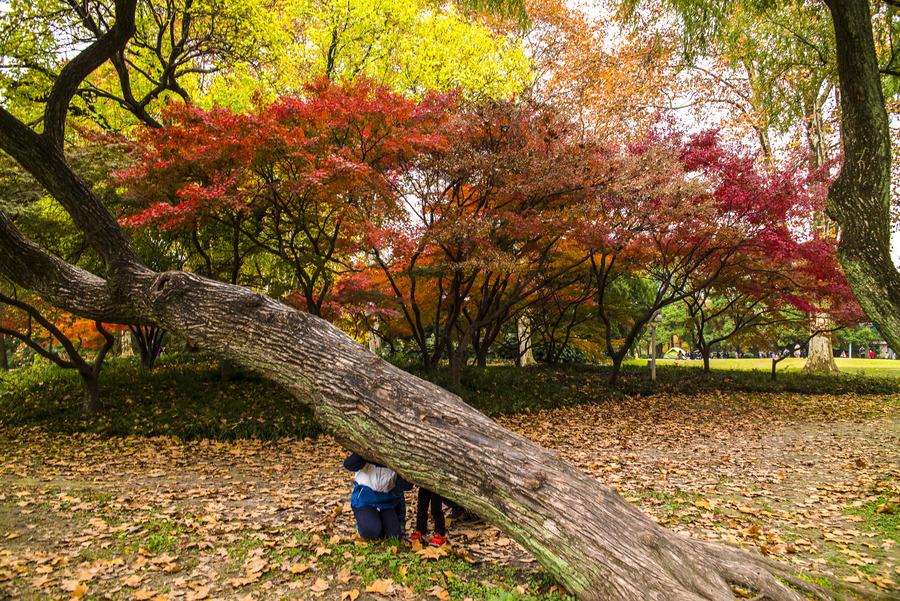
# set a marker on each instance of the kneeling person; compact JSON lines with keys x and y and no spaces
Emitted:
{"x":377,"y":499}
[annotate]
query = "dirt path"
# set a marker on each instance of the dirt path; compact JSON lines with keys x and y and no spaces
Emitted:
{"x":812,"y":480}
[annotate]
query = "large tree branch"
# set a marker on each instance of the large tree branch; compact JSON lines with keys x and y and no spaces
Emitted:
{"x":77,"y":69}
{"x":48,"y":165}
{"x":58,"y":282}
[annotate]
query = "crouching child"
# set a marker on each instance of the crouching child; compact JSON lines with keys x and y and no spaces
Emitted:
{"x":377,"y":499}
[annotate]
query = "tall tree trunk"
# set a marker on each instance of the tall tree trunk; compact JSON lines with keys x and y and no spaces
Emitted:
{"x":4,"y":358}
{"x":705,"y":353}
{"x":859,"y":199}
{"x":126,"y":349}
{"x":456,"y":359}
{"x":820,"y":355}
{"x":375,"y":342}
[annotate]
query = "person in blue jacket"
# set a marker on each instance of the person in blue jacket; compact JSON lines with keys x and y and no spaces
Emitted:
{"x":377,"y":499}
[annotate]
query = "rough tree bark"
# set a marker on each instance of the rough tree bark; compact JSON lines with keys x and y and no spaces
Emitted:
{"x":90,"y":386}
{"x":820,"y":355}
{"x":523,"y":335}
{"x":584,"y":533}
{"x":859,"y":200}
{"x":124,"y":344}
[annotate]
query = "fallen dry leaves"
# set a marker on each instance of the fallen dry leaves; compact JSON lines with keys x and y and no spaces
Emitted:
{"x":159,"y":519}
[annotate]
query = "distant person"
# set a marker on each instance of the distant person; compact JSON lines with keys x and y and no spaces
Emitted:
{"x":430,"y":500}
{"x":377,"y":499}
{"x":871,"y":354}
{"x":843,"y":354}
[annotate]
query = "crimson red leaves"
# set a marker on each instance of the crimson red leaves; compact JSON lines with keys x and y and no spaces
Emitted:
{"x":445,"y":222}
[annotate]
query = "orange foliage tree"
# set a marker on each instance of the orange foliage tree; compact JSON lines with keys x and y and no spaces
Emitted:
{"x":61,"y":338}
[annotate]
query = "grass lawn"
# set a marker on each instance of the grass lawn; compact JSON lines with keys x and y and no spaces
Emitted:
{"x":865,"y":367}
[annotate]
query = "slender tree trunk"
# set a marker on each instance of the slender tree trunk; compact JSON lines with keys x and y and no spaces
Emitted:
{"x":456,"y":359}
{"x":4,"y":358}
{"x":617,"y":359}
{"x":705,"y":353}
{"x":552,"y":352}
{"x":375,"y":342}
{"x":126,"y":349}
{"x":523,"y":333}
{"x":820,"y":356}
{"x":227,"y":369}
{"x":149,"y":339}
{"x":90,"y":386}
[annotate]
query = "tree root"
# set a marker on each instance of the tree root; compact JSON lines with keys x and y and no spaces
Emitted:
{"x":770,"y":580}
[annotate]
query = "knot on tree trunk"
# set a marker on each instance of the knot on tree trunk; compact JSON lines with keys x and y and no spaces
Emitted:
{"x":168,"y":283}
{"x":252,"y":300}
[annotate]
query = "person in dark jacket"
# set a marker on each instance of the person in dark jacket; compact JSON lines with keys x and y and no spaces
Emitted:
{"x":428,"y":499}
{"x":377,"y":499}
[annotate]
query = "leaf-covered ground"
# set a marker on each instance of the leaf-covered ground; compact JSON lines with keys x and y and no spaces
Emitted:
{"x":812,"y":480}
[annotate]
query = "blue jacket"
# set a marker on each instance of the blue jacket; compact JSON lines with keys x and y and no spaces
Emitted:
{"x":363,"y":496}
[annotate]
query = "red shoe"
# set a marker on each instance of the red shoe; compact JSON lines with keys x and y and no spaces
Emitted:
{"x":415,"y":537}
{"x":438,"y":540}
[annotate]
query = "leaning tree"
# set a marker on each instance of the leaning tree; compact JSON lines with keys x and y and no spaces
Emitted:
{"x":585,"y":534}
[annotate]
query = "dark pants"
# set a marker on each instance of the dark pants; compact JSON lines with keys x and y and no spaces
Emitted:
{"x":434,"y":501}
{"x":373,"y":523}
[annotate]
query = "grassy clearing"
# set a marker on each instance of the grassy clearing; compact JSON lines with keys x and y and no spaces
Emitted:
{"x":185,"y":396}
{"x":880,"y":515}
{"x":884,"y":368}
